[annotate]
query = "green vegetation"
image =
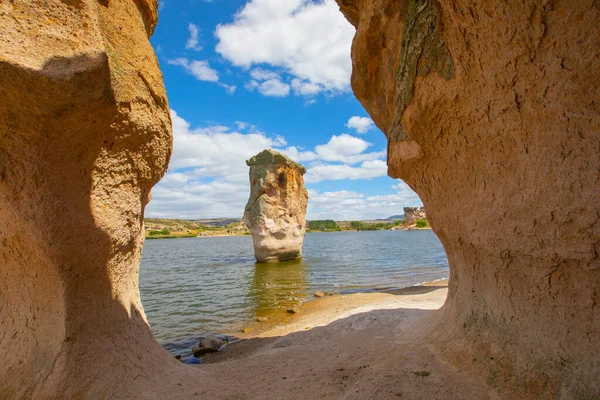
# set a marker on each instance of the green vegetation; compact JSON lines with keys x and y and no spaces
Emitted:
{"x":422,"y":373}
{"x":323,"y":225}
{"x":377,"y":226}
{"x":176,"y":235}
{"x":173,"y":225}
{"x":156,"y":233}
{"x":359,"y":225}
{"x":159,"y":228}
{"x":422,"y":223}
{"x":173,"y":228}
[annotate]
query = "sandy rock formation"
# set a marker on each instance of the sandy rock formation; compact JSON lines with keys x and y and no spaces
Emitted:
{"x":276,"y":209}
{"x":85,"y":133}
{"x":492,"y":115}
{"x":412,"y":214}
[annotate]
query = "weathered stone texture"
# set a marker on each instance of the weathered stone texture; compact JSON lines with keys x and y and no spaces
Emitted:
{"x":504,"y":151}
{"x":412,"y":214}
{"x":276,"y":209}
{"x":85,"y":133}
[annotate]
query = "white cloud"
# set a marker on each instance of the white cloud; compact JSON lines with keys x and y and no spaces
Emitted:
{"x":208,"y":176}
{"x":360,"y":124}
{"x":216,"y":199}
{"x":260,"y":74}
{"x":348,"y":149}
{"x":229,"y":88}
{"x":268,"y":83}
{"x":192,"y":42}
{"x":305,"y":88}
{"x":215,"y":151}
{"x":350,"y":205}
{"x":299,"y":156}
{"x":311,"y":40}
{"x":201,"y":70}
{"x":330,"y":172}
{"x":241,"y":125}
{"x":272,"y":87}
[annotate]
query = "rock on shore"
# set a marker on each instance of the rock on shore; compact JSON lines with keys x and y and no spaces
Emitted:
{"x":275,"y":213}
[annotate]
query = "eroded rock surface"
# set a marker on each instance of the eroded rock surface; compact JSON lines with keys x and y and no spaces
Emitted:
{"x":85,"y":133}
{"x":276,"y":209}
{"x":412,"y":214}
{"x":492,"y":116}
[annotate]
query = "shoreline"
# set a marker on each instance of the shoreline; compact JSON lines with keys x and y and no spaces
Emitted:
{"x":235,"y":234}
{"x":316,"y":312}
{"x":320,"y":311}
{"x":363,"y":345}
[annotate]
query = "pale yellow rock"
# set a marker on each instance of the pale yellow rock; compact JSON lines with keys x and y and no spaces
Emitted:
{"x":275,"y":213}
{"x":492,"y":116}
{"x":85,"y":133}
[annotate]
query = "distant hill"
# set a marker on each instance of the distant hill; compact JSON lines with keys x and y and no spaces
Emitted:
{"x":187,"y":224}
{"x":160,"y":223}
{"x":217,"y":221}
{"x":393,"y":218}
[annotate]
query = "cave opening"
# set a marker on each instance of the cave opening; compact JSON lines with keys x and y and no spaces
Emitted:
{"x":214,"y":285}
{"x":500,"y":140}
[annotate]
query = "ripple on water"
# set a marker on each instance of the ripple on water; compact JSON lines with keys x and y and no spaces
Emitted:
{"x":193,"y":286}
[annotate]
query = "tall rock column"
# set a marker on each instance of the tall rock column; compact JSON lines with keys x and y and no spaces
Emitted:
{"x":85,"y":133}
{"x":276,"y":209}
{"x":492,"y":116}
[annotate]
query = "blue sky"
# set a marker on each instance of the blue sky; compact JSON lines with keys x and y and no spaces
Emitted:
{"x":242,"y":76}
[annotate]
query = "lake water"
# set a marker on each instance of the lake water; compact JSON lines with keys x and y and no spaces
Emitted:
{"x":193,"y":286}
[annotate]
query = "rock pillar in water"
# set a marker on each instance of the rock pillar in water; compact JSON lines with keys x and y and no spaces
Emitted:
{"x":492,"y":114}
{"x":276,"y":209}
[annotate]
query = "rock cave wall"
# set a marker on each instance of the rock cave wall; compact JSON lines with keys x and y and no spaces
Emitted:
{"x":85,"y":133}
{"x":492,"y":114}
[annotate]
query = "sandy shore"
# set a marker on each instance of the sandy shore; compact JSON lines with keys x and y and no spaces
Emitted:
{"x":325,"y":310}
{"x":358,"y":346}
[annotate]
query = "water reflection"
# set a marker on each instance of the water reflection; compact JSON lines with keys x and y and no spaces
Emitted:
{"x":198,"y":285}
{"x":277,"y":287}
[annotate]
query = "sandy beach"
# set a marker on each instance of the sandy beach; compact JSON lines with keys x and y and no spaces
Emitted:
{"x":358,"y":346}
{"x":325,"y":310}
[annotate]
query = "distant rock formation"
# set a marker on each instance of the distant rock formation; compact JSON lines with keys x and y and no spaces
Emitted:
{"x":412,"y":214}
{"x":276,"y":209}
{"x":492,"y":116}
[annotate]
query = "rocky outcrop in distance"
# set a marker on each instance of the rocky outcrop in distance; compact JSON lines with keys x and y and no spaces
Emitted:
{"x":491,"y":114}
{"x":412,"y":214}
{"x":85,"y":133}
{"x":276,"y":209}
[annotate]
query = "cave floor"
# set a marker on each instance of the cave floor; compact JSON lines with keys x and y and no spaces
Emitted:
{"x":378,"y":354}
